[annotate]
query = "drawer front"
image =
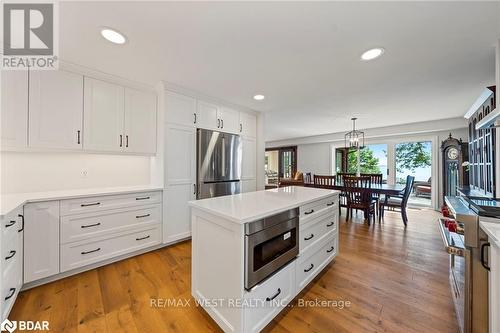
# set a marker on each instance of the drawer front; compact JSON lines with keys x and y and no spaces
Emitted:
{"x":269,"y":298}
{"x":316,"y":229}
{"x":94,"y":204}
{"x":76,"y":255}
{"x":11,"y":251}
{"x":11,"y":284}
{"x":84,"y":226}
{"x":11,"y":223}
{"x":309,"y":266}
{"x":314,"y":208}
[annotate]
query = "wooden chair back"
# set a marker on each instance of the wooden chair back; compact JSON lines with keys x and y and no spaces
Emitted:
{"x":324,"y":181}
{"x":307,"y":177}
{"x":339,"y":178}
{"x":357,"y":190}
{"x":407,"y":191}
{"x":376,"y":178}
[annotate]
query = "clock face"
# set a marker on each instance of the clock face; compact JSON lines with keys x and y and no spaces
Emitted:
{"x":452,"y":153}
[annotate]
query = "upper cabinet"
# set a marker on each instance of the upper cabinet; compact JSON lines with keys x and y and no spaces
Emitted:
{"x":229,"y":120}
{"x":14,"y":111}
{"x":248,"y":124}
{"x":180,"y":109}
{"x":55,"y":110}
{"x":103,"y":116}
{"x":118,"y":119}
{"x":217,"y":118}
{"x":140,"y":121}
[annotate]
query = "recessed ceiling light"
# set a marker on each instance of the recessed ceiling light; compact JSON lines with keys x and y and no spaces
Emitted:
{"x":259,"y":97}
{"x":113,"y":36}
{"x":372,"y":54}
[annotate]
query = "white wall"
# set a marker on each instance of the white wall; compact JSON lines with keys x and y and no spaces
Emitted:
{"x":314,"y":158}
{"x":33,"y":172}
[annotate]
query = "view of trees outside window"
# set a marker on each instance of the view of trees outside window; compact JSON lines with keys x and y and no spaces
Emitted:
{"x":373,"y":159}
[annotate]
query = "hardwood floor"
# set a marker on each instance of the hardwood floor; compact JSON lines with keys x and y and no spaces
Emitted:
{"x":396,"y":280}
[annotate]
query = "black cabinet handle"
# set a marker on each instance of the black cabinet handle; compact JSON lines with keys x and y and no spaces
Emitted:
{"x":12,"y":292}
{"x":330,"y":204}
{"x":218,"y":123}
{"x":90,"y":204}
{"x":11,"y":254}
{"x":121,"y":140}
{"x":90,"y":225}
{"x":126,"y":140}
{"x":309,"y":212}
{"x":222,"y":123}
{"x":330,"y":224}
{"x":143,"y":198}
{"x":331,"y":249}
{"x":310,"y":237}
{"x":308,"y":269}
{"x":269,"y":299}
{"x":194,"y":189}
{"x":138,"y":239}
{"x":483,"y":262}
{"x":141,"y":216}
{"x":78,"y":137}
{"x":91,"y":251}
{"x":22,"y":222}
{"x":10,"y":224}
{"x":194,"y":114}
{"x":241,"y":128}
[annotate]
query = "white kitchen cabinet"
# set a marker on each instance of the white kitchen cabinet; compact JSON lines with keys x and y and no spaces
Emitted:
{"x":14,"y":111}
{"x":248,"y":170}
{"x":208,"y":115}
{"x":180,"y":181}
{"x":180,"y":109}
{"x":248,"y":185}
{"x":41,"y":240}
{"x":140,"y":122}
{"x":229,"y":120}
{"x":248,"y":124}
{"x":55,"y":110}
{"x":103,"y":116}
{"x":494,"y":287}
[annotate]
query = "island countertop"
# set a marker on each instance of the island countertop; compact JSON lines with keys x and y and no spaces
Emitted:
{"x":251,"y":206}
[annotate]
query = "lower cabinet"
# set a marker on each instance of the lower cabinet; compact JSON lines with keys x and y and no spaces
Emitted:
{"x":177,"y":213}
{"x":494,"y":287}
{"x":248,"y":185}
{"x":41,"y":240}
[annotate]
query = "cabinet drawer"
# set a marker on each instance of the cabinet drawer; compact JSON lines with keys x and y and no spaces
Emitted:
{"x":316,"y":229}
{"x":98,"y":203}
{"x":11,"y":251}
{"x":269,"y":298}
{"x":11,"y":223}
{"x":83,"y":226}
{"x":314,"y":208}
{"x":309,"y":266}
{"x":11,"y":284}
{"x":80,"y":254}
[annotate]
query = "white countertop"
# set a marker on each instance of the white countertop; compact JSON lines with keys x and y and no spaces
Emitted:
{"x":492,"y":229}
{"x":9,"y":202}
{"x":251,"y":206}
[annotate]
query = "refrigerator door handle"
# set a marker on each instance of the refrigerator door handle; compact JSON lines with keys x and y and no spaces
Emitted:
{"x":223,"y":164}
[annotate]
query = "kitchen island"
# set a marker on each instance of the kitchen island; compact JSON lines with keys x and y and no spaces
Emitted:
{"x":252,"y":253}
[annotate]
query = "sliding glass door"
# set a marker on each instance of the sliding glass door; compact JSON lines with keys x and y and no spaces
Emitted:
{"x":373,"y":159}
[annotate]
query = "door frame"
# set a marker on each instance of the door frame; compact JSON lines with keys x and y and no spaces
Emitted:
{"x":280,"y":151}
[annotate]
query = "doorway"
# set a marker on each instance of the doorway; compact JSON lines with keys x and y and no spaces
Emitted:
{"x":280,"y":163}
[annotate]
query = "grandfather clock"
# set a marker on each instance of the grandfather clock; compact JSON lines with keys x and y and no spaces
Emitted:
{"x":454,"y":174}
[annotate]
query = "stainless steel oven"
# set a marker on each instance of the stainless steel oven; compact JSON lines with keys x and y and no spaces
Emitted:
{"x":270,"y":244}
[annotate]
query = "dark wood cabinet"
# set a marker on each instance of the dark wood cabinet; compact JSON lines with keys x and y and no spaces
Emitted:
{"x":482,"y":147}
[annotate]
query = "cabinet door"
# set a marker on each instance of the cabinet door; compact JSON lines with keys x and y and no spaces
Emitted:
{"x":494,"y":288}
{"x":103,"y":116}
{"x":208,"y":116}
{"x":55,"y":110}
{"x":140,"y":122}
{"x":230,"y":120}
{"x":14,"y":112}
{"x":248,"y":162}
{"x":248,"y":124}
{"x":180,"y":181}
{"x":41,"y":240}
{"x":180,"y":109}
{"x":248,"y":185}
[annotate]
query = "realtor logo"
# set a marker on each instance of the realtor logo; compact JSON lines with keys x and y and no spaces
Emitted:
{"x":29,"y":31}
{"x":8,"y":325}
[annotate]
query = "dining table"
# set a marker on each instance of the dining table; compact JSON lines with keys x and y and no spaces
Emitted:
{"x":387,"y":189}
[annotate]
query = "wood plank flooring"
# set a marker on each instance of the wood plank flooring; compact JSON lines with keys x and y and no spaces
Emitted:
{"x":396,"y":280}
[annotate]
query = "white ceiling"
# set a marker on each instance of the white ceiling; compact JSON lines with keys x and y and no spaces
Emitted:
{"x":303,"y":56}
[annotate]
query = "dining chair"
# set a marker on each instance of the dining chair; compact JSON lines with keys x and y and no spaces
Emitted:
{"x":398,"y":202}
{"x":339,"y":179}
{"x":308,"y":178}
{"x":324,"y":181}
{"x":358,"y":195}
{"x":376,"y":178}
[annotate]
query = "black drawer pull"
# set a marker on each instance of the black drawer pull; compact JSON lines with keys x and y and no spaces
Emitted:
{"x":483,"y":262}
{"x":330,"y":224}
{"x":143,"y":198}
{"x":11,"y":254}
{"x":91,"y":204}
{"x":331,"y":249}
{"x":330,"y":204}
{"x":22,"y":222}
{"x":10,"y":224}
{"x":90,"y":225}
{"x":12,"y":292}
{"x":138,"y":239}
{"x":141,"y":216}
{"x":91,"y":251}
{"x":310,"y":237}
{"x":308,"y":269}
{"x":309,"y":212}
{"x":269,"y":299}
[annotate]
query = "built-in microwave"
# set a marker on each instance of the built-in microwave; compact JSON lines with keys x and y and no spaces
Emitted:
{"x":270,"y":244}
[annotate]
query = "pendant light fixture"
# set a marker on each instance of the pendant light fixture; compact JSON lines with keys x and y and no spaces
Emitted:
{"x":354,"y":139}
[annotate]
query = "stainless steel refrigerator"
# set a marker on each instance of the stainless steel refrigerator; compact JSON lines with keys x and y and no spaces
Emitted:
{"x":218,"y":156}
